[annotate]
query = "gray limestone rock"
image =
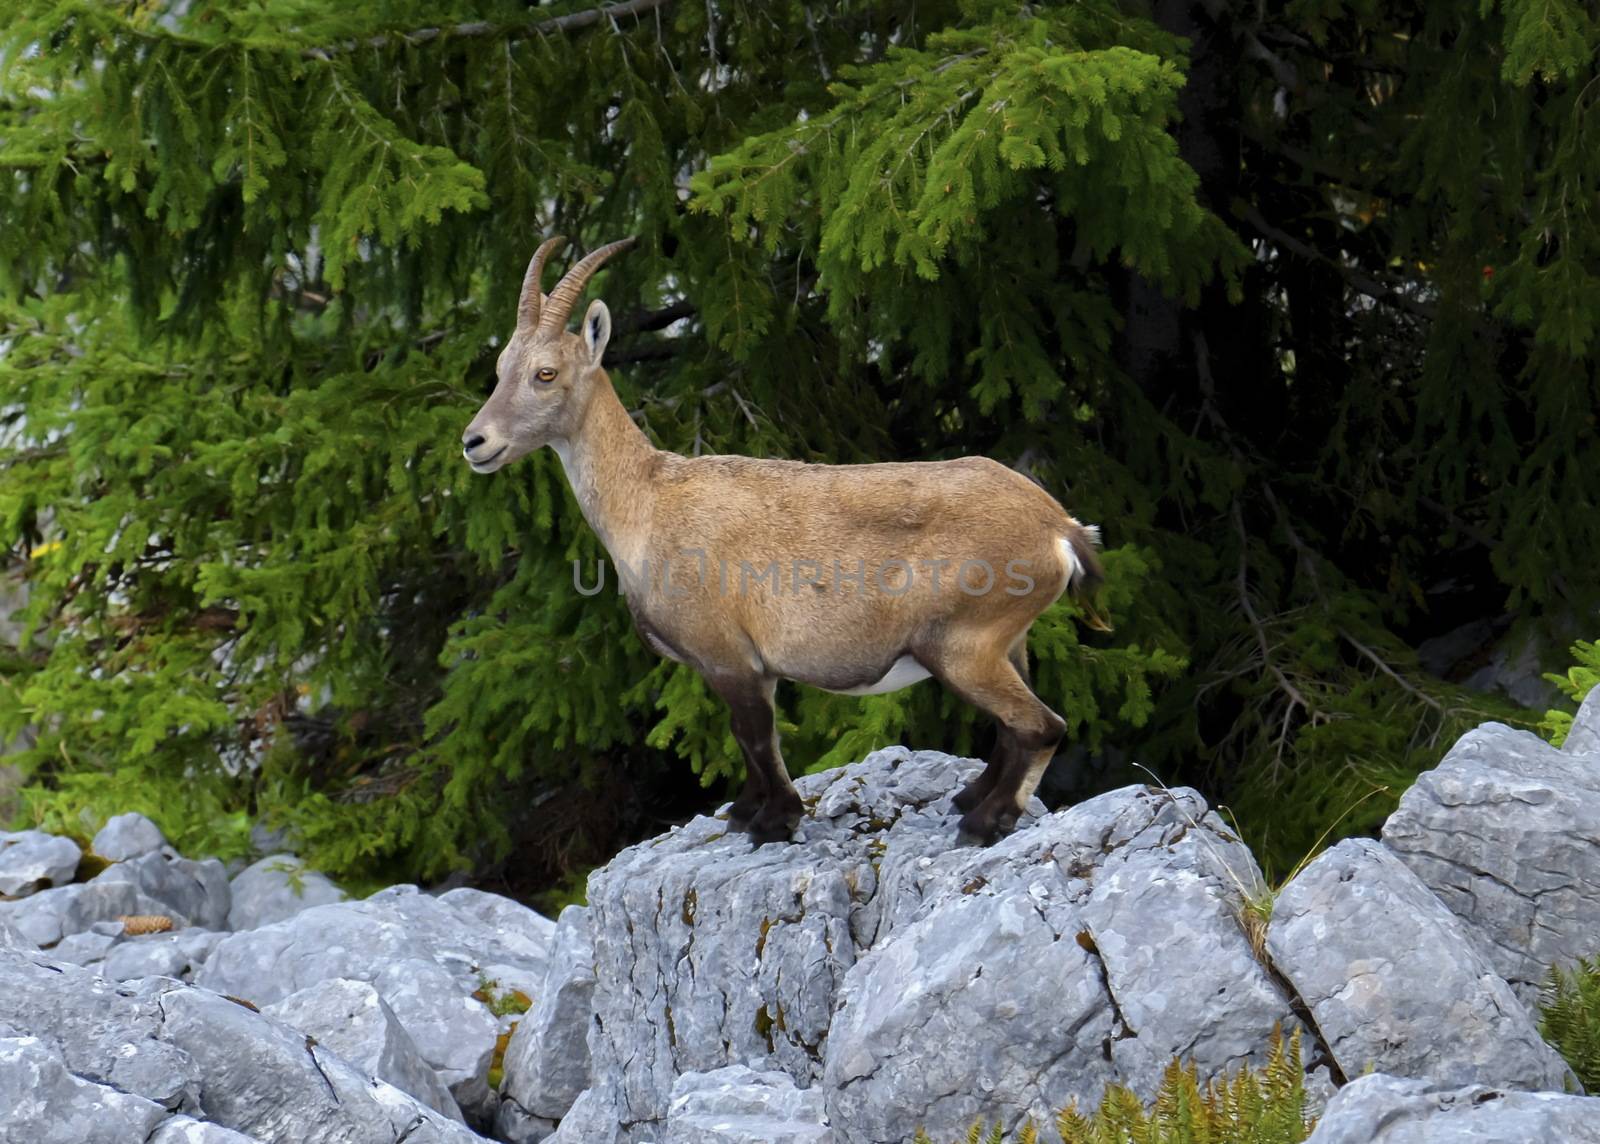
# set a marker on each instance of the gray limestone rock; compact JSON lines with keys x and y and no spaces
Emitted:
{"x":1379,"y":1109}
{"x":1503,"y":831}
{"x":31,"y":860}
{"x":915,"y":982}
{"x":88,"y":947}
{"x":186,"y":1130}
{"x":424,"y":956}
{"x":736,"y":1105}
{"x":127,"y":836}
{"x":592,"y":1119}
{"x":179,"y":954}
{"x":269,"y":1081}
{"x":1394,"y":983}
{"x":1056,"y":961}
{"x":1584,"y":737}
{"x":41,"y":1102}
{"x":50,"y":915}
{"x":104,"y":1032}
{"x":351,"y":1019}
{"x":516,"y":1126}
{"x":194,"y":1053}
{"x":197,"y":891}
{"x":547,"y":1061}
{"x":274,"y":888}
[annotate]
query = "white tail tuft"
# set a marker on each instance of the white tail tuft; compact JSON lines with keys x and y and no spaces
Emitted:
{"x":1070,"y":558}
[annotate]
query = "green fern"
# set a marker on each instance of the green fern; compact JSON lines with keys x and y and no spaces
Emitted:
{"x":1580,"y":679}
{"x":1570,"y":1019}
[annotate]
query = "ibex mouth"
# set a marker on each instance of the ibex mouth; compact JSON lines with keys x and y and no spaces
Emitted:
{"x":487,"y":465}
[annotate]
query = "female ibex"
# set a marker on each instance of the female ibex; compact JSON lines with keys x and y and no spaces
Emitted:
{"x":854,"y":578}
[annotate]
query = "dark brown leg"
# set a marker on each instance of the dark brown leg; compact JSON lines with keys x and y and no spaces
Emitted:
{"x":769,"y":808}
{"x":750,"y":799}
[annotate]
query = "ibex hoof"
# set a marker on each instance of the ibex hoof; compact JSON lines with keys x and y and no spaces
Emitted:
{"x":968,"y":798}
{"x":984,"y":827}
{"x":774,"y":823}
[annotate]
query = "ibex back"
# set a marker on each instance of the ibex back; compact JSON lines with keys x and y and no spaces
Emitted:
{"x":853,"y":578}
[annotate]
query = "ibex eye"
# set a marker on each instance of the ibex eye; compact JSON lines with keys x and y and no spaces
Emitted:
{"x":546,"y":374}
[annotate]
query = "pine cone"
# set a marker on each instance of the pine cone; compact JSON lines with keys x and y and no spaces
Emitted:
{"x":135,"y":924}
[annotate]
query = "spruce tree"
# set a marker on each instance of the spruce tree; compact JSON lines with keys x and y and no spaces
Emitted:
{"x":1298,"y":304}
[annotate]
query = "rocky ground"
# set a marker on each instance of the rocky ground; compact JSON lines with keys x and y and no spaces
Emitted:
{"x":848,"y":988}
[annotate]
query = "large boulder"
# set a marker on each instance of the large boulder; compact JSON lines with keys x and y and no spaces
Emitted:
{"x":127,"y":836}
{"x":1503,"y":831}
{"x":41,"y":1102}
{"x":1584,"y":737}
{"x":1057,"y":961}
{"x":425,"y":957}
{"x":1379,"y":1109}
{"x":919,"y":983}
{"x":1394,"y":983}
{"x":179,"y":954}
{"x":547,"y":1060}
{"x":184,"y":887}
{"x":172,"y":1054}
{"x":351,"y":1019}
{"x":277,"y":887}
{"x":31,"y":860}
{"x":736,"y":1105}
{"x":50,"y":915}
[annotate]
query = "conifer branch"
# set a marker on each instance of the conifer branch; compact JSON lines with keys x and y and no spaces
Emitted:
{"x":1371,"y":287}
{"x":1384,"y":667}
{"x":1242,"y":583}
{"x":572,"y":22}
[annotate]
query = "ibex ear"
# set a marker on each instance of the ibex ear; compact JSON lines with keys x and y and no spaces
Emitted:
{"x":596,"y":330}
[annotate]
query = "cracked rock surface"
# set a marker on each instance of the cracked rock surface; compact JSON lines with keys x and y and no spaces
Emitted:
{"x":424,"y":956}
{"x":1379,"y":1109}
{"x":1506,"y":832}
{"x":547,"y":1060}
{"x":914,"y":982}
{"x":736,"y":1105}
{"x":32,"y":860}
{"x":870,"y":979}
{"x":1393,"y":981}
{"x":145,"y":1060}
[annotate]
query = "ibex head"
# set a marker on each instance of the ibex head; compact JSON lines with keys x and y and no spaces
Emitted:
{"x":544,"y":373}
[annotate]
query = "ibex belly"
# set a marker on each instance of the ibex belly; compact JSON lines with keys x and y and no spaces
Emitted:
{"x":902,"y":673}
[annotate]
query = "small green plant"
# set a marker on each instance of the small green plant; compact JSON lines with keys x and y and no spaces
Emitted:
{"x":1570,"y":1017}
{"x":294,"y":875}
{"x":1265,"y":1105}
{"x":1580,"y":679}
{"x":501,"y":1002}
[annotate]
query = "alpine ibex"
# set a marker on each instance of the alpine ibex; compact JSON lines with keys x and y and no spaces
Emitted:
{"x":910,"y":570}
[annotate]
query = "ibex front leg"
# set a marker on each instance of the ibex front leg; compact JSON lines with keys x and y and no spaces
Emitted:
{"x":769,"y":807}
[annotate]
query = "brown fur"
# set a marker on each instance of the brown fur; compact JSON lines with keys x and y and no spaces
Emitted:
{"x":695,"y":539}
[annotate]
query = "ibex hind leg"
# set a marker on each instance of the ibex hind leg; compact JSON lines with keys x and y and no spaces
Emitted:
{"x":973,"y":794}
{"x":1029,"y":730}
{"x":769,"y":807}
{"x":751,"y":798}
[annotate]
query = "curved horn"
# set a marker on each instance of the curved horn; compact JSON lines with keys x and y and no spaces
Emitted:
{"x":562,"y":298}
{"x":532,"y":300}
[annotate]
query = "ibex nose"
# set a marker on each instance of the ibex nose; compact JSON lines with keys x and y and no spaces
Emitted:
{"x":471,"y":440}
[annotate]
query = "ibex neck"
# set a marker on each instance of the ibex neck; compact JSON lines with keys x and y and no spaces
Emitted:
{"x":609,"y":463}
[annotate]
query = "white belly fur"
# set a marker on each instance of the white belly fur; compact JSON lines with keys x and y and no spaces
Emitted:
{"x":903,"y":673}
